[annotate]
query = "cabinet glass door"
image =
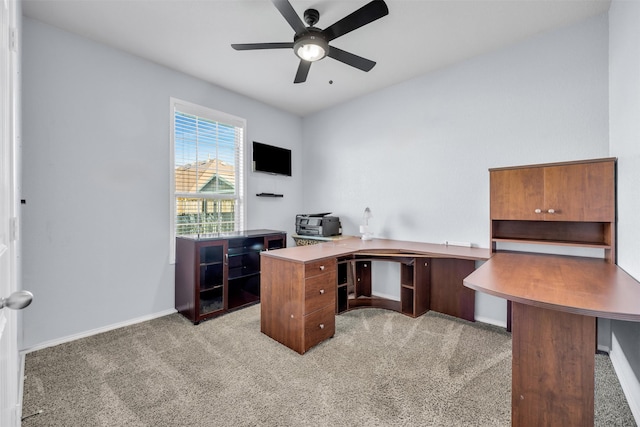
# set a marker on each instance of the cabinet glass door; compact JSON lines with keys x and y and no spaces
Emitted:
{"x":244,"y":271}
{"x":211,"y":278}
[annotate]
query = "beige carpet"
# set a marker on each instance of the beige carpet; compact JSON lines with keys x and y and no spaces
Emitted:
{"x":380,"y":369}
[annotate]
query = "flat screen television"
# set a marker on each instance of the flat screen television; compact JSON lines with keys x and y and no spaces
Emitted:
{"x":271,"y":159}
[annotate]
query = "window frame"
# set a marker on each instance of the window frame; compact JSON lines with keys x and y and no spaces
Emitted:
{"x":179,"y":105}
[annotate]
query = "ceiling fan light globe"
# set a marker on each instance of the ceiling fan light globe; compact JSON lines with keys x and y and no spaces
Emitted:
{"x":310,"y":52}
{"x":311,"y":48}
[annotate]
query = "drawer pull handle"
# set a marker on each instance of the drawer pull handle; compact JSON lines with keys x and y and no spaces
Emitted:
{"x":551,"y":211}
{"x":321,"y":325}
{"x":322,"y":268}
{"x":321,"y":291}
{"x":538,"y":211}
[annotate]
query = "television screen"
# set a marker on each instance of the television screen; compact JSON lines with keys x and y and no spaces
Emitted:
{"x":271,"y":159}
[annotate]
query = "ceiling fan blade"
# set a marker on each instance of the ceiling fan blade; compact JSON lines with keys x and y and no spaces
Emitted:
{"x":363,"y":16}
{"x":289,"y":13}
{"x":303,"y":71}
{"x":356,"y":61}
{"x":254,"y":46}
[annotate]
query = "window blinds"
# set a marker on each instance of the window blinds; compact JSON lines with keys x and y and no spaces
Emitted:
{"x":208,"y":173}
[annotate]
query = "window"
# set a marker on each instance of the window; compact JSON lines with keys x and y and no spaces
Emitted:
{"x":207,"y":170}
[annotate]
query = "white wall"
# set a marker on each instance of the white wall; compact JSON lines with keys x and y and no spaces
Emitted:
{"x":96,"y":181}
{"x":624,"y":105}
{"x":418,"y":153}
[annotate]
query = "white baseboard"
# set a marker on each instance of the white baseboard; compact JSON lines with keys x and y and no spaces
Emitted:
{"x":491,"y":321}
{"x":97,"y":331}
{"x":628,"y":380}
{"x":385,"y":296}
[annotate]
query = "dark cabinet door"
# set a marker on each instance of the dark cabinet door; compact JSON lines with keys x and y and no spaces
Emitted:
{"x":211,"y":278}
{"x":580,"y":192}
{"x":517,"y":194}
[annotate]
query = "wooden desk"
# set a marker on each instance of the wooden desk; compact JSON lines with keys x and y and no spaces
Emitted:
{"x":555,"y":301}
{"x":298,"y":284}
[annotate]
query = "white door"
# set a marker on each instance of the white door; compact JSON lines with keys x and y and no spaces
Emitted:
{"x":9,"y":358}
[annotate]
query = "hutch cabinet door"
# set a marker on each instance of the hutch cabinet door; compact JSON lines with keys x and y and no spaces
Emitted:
{"x":580,"y":192}
{"x":517,"y":193}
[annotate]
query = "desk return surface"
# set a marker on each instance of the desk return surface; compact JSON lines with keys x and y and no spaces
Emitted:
{"x":585,"y":286}
{"x":555,"y":301}
{"x":298,"y":284}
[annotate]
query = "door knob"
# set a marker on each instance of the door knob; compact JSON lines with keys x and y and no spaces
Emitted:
{"x":17,"y":300}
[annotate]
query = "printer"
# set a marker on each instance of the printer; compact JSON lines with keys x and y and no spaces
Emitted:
{"x":320,"y":224}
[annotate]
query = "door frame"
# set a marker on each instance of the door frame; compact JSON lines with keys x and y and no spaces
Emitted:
{"x":10,"y":359}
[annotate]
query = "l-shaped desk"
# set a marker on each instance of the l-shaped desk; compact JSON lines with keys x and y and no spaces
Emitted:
{"x":303,"y":287}
{"x":555,"y":302}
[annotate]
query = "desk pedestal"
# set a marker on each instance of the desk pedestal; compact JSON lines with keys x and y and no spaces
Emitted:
{"x":553,"y":367}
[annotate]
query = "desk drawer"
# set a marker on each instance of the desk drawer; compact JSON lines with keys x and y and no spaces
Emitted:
{"x":319,"y":291}
{"x":319,"y":325}
{"x":320,"y":267}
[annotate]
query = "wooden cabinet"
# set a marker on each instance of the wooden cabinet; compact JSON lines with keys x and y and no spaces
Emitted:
{"x":298,"y":301}
{"x":570,"y":203}
{"x":565,"y":192}
{"x":220,"y":272}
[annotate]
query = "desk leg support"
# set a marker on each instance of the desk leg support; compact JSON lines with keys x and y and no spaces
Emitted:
{"x":552,"y":368}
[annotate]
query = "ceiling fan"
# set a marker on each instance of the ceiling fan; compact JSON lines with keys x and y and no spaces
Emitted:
{"x":311,"y":44}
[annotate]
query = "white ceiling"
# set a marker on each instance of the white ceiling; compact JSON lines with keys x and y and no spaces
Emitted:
{"x":194,"y":36}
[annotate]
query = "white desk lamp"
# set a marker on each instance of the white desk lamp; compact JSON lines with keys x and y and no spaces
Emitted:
{"x":364,"y":228}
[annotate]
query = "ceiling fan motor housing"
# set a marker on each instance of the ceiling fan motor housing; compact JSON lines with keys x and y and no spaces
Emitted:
{"x":311,"y":17}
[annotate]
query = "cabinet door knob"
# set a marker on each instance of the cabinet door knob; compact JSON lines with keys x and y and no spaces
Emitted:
{"x":321,"y":325}
{"x":551,"y":211}
{"x":321,"y":291}
{"x":322,"y":268}
{"x":538,"y":211}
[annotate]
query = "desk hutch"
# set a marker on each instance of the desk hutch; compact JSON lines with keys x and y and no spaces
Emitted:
{"x":553,"y":301}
